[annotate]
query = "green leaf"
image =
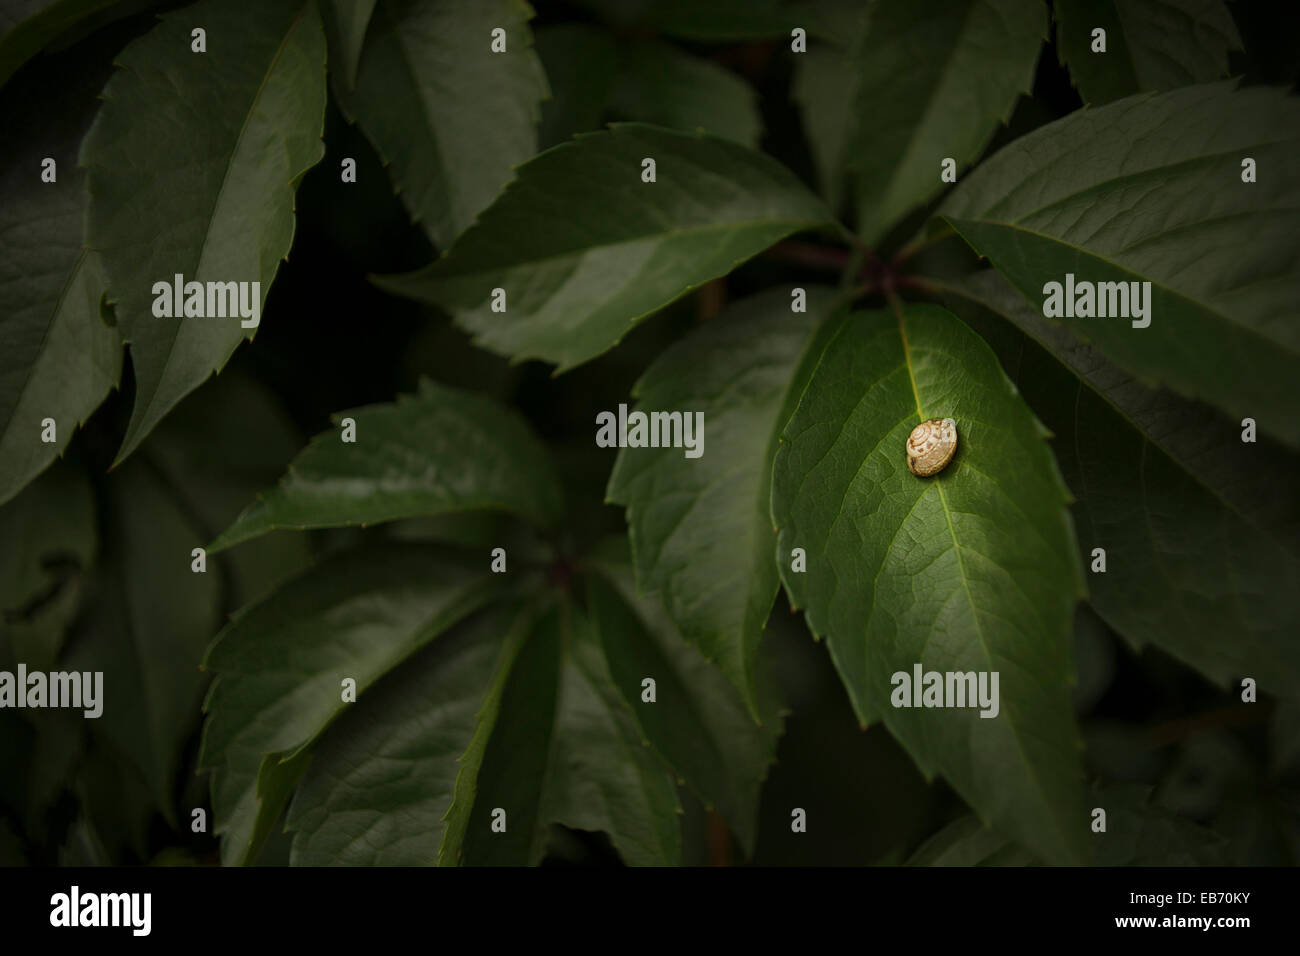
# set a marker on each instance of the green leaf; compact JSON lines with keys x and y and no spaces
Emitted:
{"x":699,"y":723}
{"x":826,"y":86}
{"x":524,"y":719}
{"x":1138,"y":833}
{"x":191,"y":176}
{"x":28,"y":26}
{"x":59,"y":359}
{"x":1150,"y":44}
{"x":348,"y":20}
{"x":1258,"y":482}
{"x":279,"y":666}
{"x":436,"y":452}
{"x":584,"y":249}
{"x":566,"y":749}
{"x":581,"y":63}
{"x":153,"y":617}
{"x":701,"y":528}
{"x":661,"y":84}
{"x":351,"y":808}
{"x":902,"y":121}
{"x":975,"y":569}
{"x":1150,"y":189}
{"x":50,"y":542}
{"x":449,"y":116}
{"x":1199,"y":528}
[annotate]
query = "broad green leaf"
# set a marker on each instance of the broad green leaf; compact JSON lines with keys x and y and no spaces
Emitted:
{"x":660,"y":84}
{"x":280,"y":664}
{"x":28,"y":26}
{"x":153,"y":617}
{"x":974,"y":569}
{"x":1138,"y":833}
{"x":348,"y":20}
{"x":50,"y":540}
{"x":1150,"y":44}
{"x":1198,"y":528}
{"x":701,"y":528}
{"x":192,"y":164}
{"x":436,"y":452}
{"x":59,"y":358}
{"x":567,"y":750}
{"x":641,"y":80}
{"x":581,"y":63}
{"x":699,"y":723}
{"x":825,"y":85}
{"x":1150,"y":189}
{"x":406,"y":816}
{"x":583,"y":248}
{"x":511,"y":709}
{"x":428,"y":716}
{"x":1259,"y":482}
{"x":449,"y":116}
{"x":920,"y":89}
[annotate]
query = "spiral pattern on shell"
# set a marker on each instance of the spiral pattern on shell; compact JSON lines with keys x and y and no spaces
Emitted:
{"x":931,"y":446}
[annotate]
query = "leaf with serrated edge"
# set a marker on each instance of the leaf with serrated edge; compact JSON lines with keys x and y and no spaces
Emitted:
{"x":974,"y":569}
{"x":708,"y":736}
{"x":348,"y":20}
{"x":1149,"y":189}
{"x":660,"y":84}
{"x":450,"y":117}
{"x":1196,"y":524}
{"x":437,"y":452}
{"x":825,"y":85}
{"x":59,"y":358}
{"x":701,"y":528}
{"x":566,"y":750}
{"x":902,"y":122}
{"x":1259,"y":482}
{"x":1150,"y":44}
{"x":433,"y":715}
{"x":279,"y":664}
{"x":584,"y":249}
{"x":192,"y":164}
{"x":460,"y":719}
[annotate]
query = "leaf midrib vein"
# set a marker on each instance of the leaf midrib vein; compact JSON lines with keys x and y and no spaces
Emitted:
{"x":965,"y":581}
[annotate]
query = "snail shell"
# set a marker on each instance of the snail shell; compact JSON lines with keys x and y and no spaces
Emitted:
{"x":931,"y":446}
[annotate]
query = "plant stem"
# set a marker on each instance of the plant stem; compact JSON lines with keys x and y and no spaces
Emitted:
{"x":810,"y":255}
